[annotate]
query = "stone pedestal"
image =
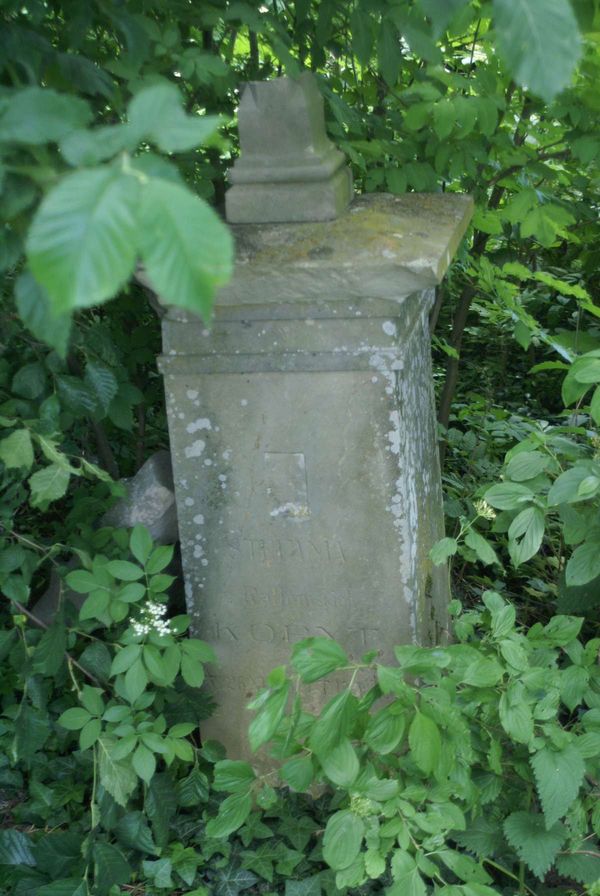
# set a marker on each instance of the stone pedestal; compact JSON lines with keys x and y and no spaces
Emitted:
{"x":304,"y":444}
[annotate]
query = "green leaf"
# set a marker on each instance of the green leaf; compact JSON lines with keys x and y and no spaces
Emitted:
{"x":466,"y":868}
{"x":583,"y":564}
{"x":233,"y":812}
{"x":160,"y":806}
{"x":334,"y":723}
{"x":144,"y":763}
{"x":192,"y":671}
{"x":36,"y":313}
{"x":49,"y":653}
{"x":159,"y":559}
{"x":117,"y":778}
{"x":389,"y":52}
{"x":125,"y":658}
{"x":535,"y":845}
{"x":585,"y":869}
{"x":234,"y":776}
{"x":156,"y":113}
{"x":385,"y":729}
{"x":558,"y":776}
{"x":29,"y":381}
{"x":264,"y":725}
{"x":133,"y":832}
{"x":525,"y":535}
{"x":37,"y":115}
{"x":136,"y":680}
{"x":16,"y":450}
{"x":82,"y":243}
{"x":95,"y":605}
{"x":565,"y":489}
{"x":527,"y":465}
{"x":540,"y":42}
{"x":508,"y":495}
{"x":84,"y":147}
{"x":15,"y":848}
{"x":341,"y":764}
{"x":444,"y":116}
{"x":342,"y":839}
{"x":140,"y":544}
{"x":483,"y":672}
{"x":75,"y":718}
{"x":124,"y":570}
{"x":442,"y":549}
{"x":76,"y":395}
{"x":441,"y":12}
{"x":187,"y":251}
{"x":485,"y":552}
{"x":407,"y":879}
{"x":515,"y":714}
{"x":90,"y":734}
{"x":313,"y":658}
{"x":102,"y":382}
{"x":298,"y":773}
{"x":112,"y":868}
{"x":425,"y":742}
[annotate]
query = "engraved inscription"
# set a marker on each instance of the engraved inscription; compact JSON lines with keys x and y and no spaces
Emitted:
{"x":267,"y":551}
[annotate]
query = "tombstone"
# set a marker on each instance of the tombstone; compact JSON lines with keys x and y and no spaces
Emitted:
{"x":303,"y":437}
{"x":149,"y":501}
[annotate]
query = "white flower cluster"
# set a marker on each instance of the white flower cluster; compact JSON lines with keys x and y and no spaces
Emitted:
{"x":152,"y":620}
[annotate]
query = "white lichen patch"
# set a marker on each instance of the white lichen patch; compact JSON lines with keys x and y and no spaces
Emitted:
{"x":189,"y":502}
{"x":199,"y":519}
{"x":244,"y":402}
{"x":195,"y":449}
{"x":200,"y":423}
{"x":291,"y":509}
{"x":389,"y":328}
{"x":192,"y":394}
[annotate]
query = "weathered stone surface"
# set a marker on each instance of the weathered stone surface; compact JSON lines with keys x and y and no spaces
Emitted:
{"x":150,"y":501}
{"x":288,"y":169}
{"x":304,"y":444}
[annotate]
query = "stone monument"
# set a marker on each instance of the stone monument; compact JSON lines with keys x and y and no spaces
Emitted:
{"x":302,"y":424}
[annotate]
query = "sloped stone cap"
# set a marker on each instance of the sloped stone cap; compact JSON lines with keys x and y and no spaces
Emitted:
{"x":383,"y":247}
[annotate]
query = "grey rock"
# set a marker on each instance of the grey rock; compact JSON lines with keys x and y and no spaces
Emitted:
{"x":150,"y":501}
{"x":288,"y":169}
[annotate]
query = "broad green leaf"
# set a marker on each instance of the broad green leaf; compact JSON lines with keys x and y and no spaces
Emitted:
{"x":342,"y":839}
{"x":583,"y":564}
{"x":15,"y":848}
{"x":389,"y":52}
{"x":485,"y":552}
{"x":565,"y":489}
{"x":314,"y":658}
{"x":298,"y":772}
{"x":156,"y":113}
{"x":441,"y":12}
{"x":525,"y":535}
{"x":508,"y":495}
{"x":133,"y":832}
{"x":233,"y":812}
{"x":444,"y":116}
{"x":536,"y":846}
{"x":36,"y":313}
{"x":442,"y":549}
{"x":30,"y":381}
{"x":385,"y":729}
{"x":140,"y":544}
{"x":484,"y":672}
{"x":264,"y":725}
{"x":136,"y":680}
{"x":89,"y":734}
{"x":37,"y":115}
{"x":74,"y":719}
{"x":117,"y":778}
{"x":95,"y":605}
{"x":540,"y":42}
{"x":48,"y":485}
{"x":515,"y":714}
{"x":334,"y":723}
{"x":124,"y":570}
{"x":425,"y":742}
{"x":160,"y":557}
{"x":187,"y":251}
{"x":407,"y":879}
{"x":16,"y":450}
{"x":234,"y":776}
{"x":82,"y":581}
{"x":76,"y":396}
{"x":527,"y":465}
{"x":466,"y":868}
{"x":112,"y":868}
{"x":192,"y":671}
{"x":585,"y":869}
{"x":84,"y":147}
{"x":144,"y":763}
{"x":49,"y":653}
{"x":341,"y":764}
{"x":558,"y":777}
{"x":102,"y":382}
{"x":83,"y":239}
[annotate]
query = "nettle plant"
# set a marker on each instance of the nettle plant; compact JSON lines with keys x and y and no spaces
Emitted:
{"x":458,"y":769}
{"x":96,"y":716}
{"x":548,"y":497}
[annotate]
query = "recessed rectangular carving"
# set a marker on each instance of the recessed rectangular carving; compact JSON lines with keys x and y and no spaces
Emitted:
{"x":285,"y":482}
